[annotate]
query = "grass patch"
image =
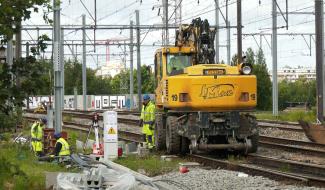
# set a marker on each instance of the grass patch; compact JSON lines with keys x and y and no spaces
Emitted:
{"x":292,"y":116}
{"x":67,"y":117}
{"x":152,"y":164}
{"x":285,"y":168}
{"x":19,"y":168}
{"x":235,"y":158}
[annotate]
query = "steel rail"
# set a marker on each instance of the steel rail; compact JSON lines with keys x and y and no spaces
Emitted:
{"x":285,"y":127}
{"x":285,"y":141}
{"x":291,"y":148}
{"x":287,"y":165}
{"x":254,"y":169}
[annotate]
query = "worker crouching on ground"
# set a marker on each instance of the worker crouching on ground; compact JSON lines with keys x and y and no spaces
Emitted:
{"x":62,"y":147}
{"x":37,"y":136}
{"x":147,"y":121}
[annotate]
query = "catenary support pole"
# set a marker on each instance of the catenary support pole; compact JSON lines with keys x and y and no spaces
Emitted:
{"x":274,"y":60}
{"x":138,"y":59}
{"x":319,"y":29}
{"x":62,"y":66}
{"x":84,"y":66}
{"x":27,"y":55}
{"x":228,"y":35}
{"x":217,"y":30}
{"x":165,"y":12}
{"x":10,"y":56}
{"x":239,"y":32}
{"x":131,"y":66}
{"x":57,"y":66}
{"x":228,"y":44}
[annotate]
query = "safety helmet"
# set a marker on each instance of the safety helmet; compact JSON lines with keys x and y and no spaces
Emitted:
{"x":57,"y":135}
{"x":43,"y":120}
{"x":146,"y":97}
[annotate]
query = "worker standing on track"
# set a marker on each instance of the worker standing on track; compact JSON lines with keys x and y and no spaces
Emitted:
{"x":37,"y":136}
{"x":147,"y":121}
{"x":62,"y":147}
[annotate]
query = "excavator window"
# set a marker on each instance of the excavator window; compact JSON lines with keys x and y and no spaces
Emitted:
{"x":177,"y":62}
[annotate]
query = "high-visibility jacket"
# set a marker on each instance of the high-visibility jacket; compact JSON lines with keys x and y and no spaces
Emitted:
{"x":148,"y":117}
{"x":37,"y":135}
{"x":37,"y":131}
{"x":65,"y":149}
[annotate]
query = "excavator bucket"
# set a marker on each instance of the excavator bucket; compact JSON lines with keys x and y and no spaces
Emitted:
{"x":314,"y":132}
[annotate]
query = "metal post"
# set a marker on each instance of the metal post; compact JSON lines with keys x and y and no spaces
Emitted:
{"x":228,"y":35}
{"x":84,"y":67}
{"x":18,"y":43}
{"x":217,"y":30}
{"x":239,"y":32}
{"x":138,"y":59}
{"x":57,"y":66}
{"x":62,"y":65}
{"x":27,"y":55}
{"x":228,"y":44}
{"x":131,"y":66}
{"x":10,"y":56}
{"x":274,"y":60}
{"x":165,"y":8}
{"x":319,"y":19}
{"x":75,"y":98}
{"x":95,"y":7}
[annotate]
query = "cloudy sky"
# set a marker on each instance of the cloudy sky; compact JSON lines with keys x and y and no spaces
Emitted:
{"x":292,"y":50}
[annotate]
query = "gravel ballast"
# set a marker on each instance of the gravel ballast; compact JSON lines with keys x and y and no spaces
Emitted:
{"x":198,"y":179}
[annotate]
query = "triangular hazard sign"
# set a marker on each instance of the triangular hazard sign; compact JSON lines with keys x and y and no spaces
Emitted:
{"x":111,"y":131}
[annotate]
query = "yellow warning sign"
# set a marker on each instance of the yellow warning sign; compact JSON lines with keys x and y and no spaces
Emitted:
{"x":111,"y":131}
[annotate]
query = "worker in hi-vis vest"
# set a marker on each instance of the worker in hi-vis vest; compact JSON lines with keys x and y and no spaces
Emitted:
{"x":37,"y":136}
{"x":147,"y":121}
{"x":62,"y":147}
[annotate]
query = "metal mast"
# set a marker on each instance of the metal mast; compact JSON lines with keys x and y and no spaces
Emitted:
{"x":319,"y":28}
{"x":274,"y":59}
{"x":57,"y":65}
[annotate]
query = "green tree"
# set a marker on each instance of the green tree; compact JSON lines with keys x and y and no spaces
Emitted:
{"x":250,"y":56}
{"x":73,"y":78}
{"x":23,"y":78}
{"x":147,"y":81}
{"x":264,"y":85}
{"x":234,"y":60}
{"x":14,"y":11}
{"x":302,"y":90}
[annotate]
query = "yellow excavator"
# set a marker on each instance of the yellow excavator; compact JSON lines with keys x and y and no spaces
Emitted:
{"x":202,"y":105}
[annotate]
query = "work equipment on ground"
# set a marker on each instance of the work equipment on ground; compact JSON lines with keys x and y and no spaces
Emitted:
{"x":97,"y":147}
{"x":314,"y":132}
{"x":201,"y":104}
{"x":41,"y":108}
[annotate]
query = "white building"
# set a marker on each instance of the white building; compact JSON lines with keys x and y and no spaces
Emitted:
{"x":293,"y":74}
{"x":112,"y":68}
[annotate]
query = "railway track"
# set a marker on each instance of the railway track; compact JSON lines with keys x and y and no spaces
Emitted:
{"x":286,"y":127}
{"x":278,"y":169}
{"x":296,"y":146}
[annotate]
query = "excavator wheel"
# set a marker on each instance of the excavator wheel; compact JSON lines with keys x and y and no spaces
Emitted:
{"x":255,"y":137}
{"x":160,"y":133}
{"x":173,"y":140}
{"x":185,"y":145}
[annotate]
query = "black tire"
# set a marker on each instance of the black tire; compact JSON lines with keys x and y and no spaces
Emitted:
{"x":173,"y":140}
{"x":254,"y":140}
{"x":160,"y":133}
{"x":255,"y":136}
{"x":185,"y":145}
